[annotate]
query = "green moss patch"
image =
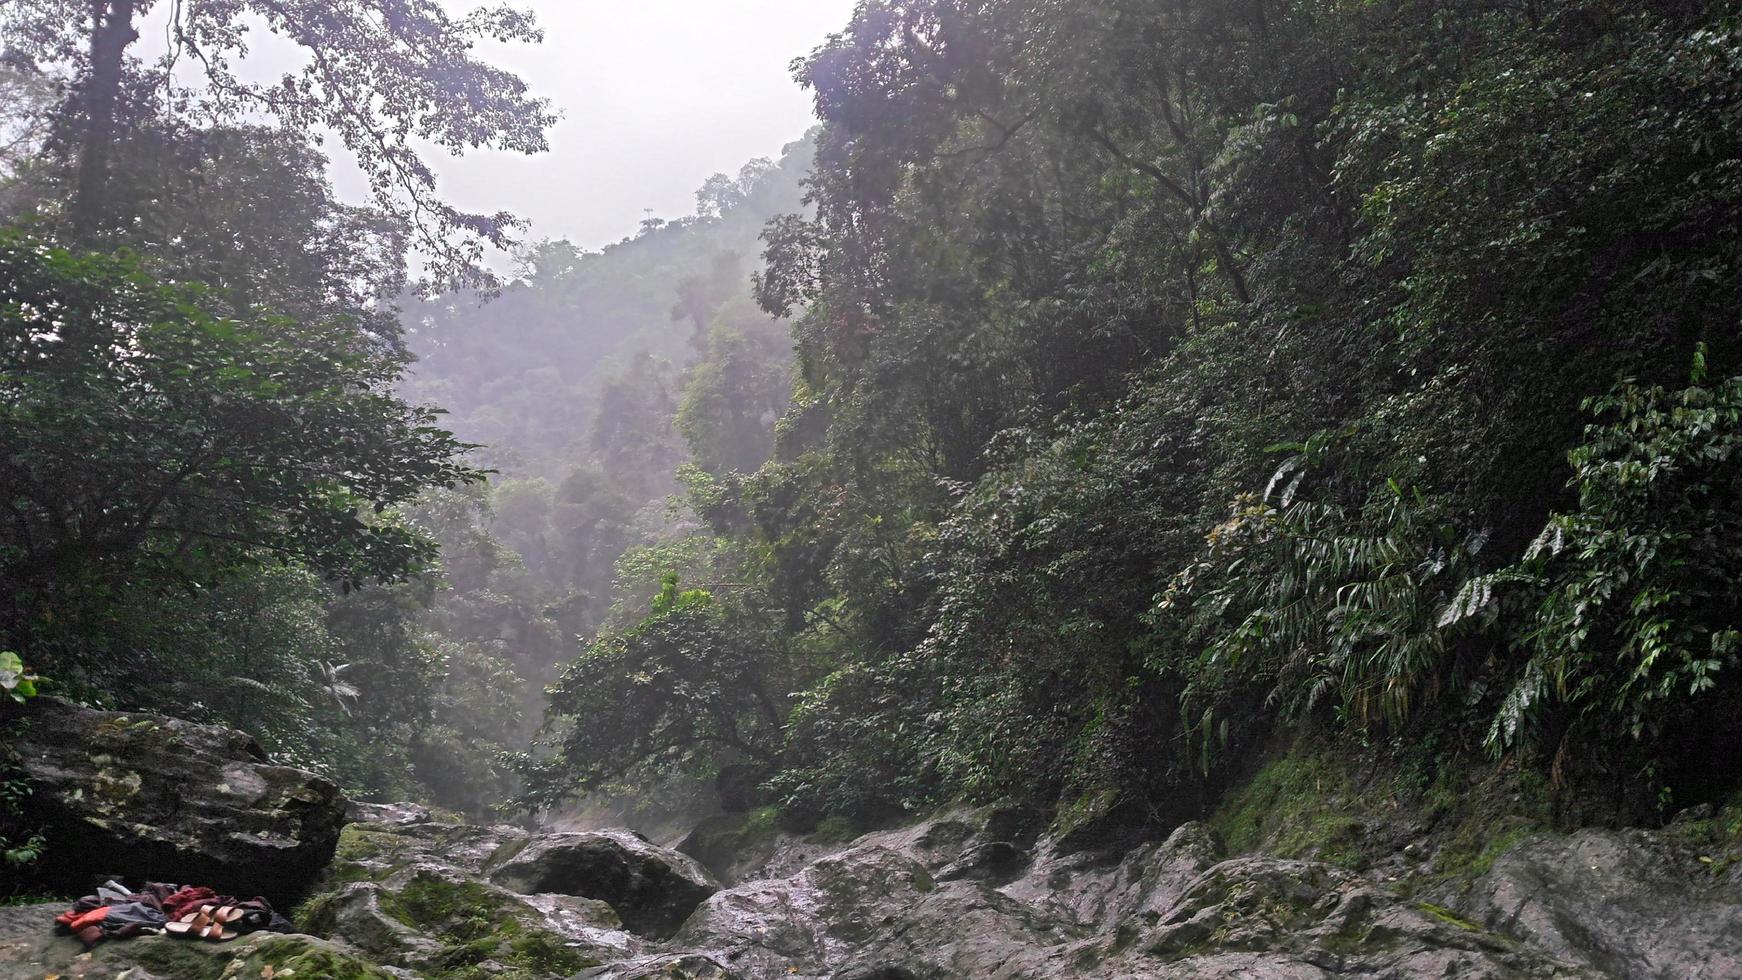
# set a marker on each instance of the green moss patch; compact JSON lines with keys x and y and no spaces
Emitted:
{"x":1446,"y":915}
{"x":1084,"y":811}
{"x":360,"y":842}
{"x":288,"y":956}
{"x":477,"y":925}
{"x":1472,"y":848}
{"x":1300,"y":805}
{"x":1347,"y":804}
{"x":1717,"y":839}
{"x":429,"y":901}
{"x":295,"y":956}
{"x":834,"y":830}
{"x":367,"y":853}
{"x":1477,"y":821}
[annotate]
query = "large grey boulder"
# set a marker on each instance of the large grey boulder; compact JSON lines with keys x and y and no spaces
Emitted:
{"x":652,"y":888}
{"x":1622,"y":903}
{"x":146,"y":797}
{"x":1137,"y":887}
{"x":1264,"y":916}
{"x":812,"y":922}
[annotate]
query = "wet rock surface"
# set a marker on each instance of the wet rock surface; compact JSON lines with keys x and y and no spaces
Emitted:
{"x":731,"y":847}
{"x":388,"y":814}
{"x":418,"y":897}
{"x":1620,"y":903}
{"x":157,"y":798}
{"x":951,"y":897}
{"x":884,"y":910}
{"x":653,"y":889}
{"x":680,"y":966}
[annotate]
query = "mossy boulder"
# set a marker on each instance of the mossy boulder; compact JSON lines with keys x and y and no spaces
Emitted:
{"x":443,"y":924}
{"x":414,"y":896}
{"x":146,"y":797}
{"x":375,"y":852}
{"x":727,"y":843}
{"x":356,"y":912}
{"x":653,"y":889}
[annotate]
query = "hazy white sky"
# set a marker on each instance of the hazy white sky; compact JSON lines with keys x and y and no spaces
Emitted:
{"x":656,"y":95}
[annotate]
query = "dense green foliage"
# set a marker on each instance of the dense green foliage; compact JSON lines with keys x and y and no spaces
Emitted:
{"x":1171,"y":374}
{"x":20,"y":845}
{"x":388,"y":78}
{"x":182,"y":488}
{"x":1125,"y":386}
{"x":218,"y":501}
{"x":690,"y":679}
{"x":1629,"y":596}
{"x":142,"y":430}
{"x":227,"y":500}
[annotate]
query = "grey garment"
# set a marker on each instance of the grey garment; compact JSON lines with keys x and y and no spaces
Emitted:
{"x":131,"y":917}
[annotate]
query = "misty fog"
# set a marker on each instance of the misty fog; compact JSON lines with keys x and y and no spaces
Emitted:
{"x":870,"y":489}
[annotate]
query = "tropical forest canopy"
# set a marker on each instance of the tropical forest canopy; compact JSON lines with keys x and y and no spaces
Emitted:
{"x":1105,"y":391}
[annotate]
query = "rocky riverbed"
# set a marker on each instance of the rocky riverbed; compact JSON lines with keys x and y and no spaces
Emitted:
{"x":408,"y":894}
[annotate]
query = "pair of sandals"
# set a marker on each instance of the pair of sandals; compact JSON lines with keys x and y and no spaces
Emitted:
{"x":207,"y":923}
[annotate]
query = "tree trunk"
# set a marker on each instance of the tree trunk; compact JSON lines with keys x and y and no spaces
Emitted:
{"x":111,"y":32}
{"x":1230,"y":267}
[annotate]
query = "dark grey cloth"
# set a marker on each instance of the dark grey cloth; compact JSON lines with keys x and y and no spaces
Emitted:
{"x":128,"y":918}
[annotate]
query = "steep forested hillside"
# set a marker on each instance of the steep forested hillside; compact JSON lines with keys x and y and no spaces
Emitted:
{"x":556,"y":368}
{"x":1177,"y":377}
{"x":1131,"y":409}
{"x":584,"y":384}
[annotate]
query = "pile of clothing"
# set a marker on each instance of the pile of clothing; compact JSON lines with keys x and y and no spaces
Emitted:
{"x":118,"y":912}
